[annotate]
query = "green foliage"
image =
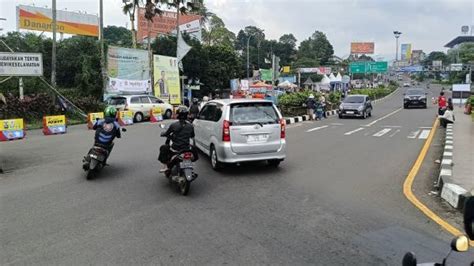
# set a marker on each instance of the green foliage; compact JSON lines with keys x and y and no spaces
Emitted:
{"x":316,"y":48}
{"x":218,"y":34}
{"x":118,"y":36}
{"x":433,"y":56}
{"x":222,"y":65}
{"x":375,"y":93}
{"x":295,"y":99}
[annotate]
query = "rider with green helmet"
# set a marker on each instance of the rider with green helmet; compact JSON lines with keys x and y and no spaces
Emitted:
{"x":107,"y":129}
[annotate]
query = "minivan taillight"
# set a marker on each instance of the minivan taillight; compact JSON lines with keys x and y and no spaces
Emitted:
{"x":283,"y":128}
{"x":226,"y":131}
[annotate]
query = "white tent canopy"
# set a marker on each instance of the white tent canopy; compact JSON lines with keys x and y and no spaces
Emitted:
{"x":287,"y":84}
{"x":332,"y":77}
{"x":338,"y":77}
{"x":325,"y":80}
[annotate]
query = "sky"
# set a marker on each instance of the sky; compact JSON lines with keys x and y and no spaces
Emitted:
{"x":426,"y":24}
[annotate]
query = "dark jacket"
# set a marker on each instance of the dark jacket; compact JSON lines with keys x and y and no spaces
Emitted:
{"x":180,"y":133}
{"x":106,"y":130}
{"x":311,"y":103}
{"x":194,"y":110}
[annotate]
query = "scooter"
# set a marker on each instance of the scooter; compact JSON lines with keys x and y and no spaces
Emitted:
{"x":180,"y":172}
{"x":95,"y":160}
{"x":458,"y":244}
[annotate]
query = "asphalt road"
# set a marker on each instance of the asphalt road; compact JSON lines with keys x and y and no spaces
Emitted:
{"x":337,"y":199}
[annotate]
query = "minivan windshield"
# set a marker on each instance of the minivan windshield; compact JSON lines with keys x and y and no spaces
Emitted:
{"x":253,"y":113}
{"x":354,"y":99}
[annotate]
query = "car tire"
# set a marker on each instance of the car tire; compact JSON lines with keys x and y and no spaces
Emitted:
{"x":168,"y":114}
{"x":340,"y":116}
{"x":274,"y":163}
{"x":138,"y":117}
{"x":215,"y":164}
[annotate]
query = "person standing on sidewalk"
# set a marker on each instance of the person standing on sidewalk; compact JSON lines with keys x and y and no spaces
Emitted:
{"x":447,"y":117}
{"x":310,"y":106}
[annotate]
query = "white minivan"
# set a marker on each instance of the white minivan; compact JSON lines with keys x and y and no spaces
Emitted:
{"x":241,"y":130}
{"x":140,"y":105}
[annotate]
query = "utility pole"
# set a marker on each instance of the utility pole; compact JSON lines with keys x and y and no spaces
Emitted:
{"x":53,"y":54}
{"x":248,"y":59}
{"x":397,"y":35}
{"x":102,"y":49}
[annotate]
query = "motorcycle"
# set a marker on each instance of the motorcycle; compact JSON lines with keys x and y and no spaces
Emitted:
{"x":180,"y":172}
{"x":95,"y":160}
{"x":458,"y":244}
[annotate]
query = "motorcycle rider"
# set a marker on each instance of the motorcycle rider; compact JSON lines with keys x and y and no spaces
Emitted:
{"x":179,"y":133}
{"x":194,"y":110}
{"x":106,"y":130}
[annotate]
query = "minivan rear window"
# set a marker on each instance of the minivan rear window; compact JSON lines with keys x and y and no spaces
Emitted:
{"x":253,"y":113}
{"x":117,"y":101}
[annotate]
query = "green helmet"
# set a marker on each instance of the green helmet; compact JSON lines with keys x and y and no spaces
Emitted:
{"x":110,"y":111}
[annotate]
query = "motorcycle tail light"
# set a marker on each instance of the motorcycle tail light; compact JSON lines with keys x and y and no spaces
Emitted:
{"x":187,"y":155}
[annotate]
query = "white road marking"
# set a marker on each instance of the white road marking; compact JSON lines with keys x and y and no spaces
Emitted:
{"x":393,"y":134}
{"x":353,"y":131}
{"x":316,"y":128}
{"x":424,"y":134}
{"x":383,"y":117}
{"x":294,"y":125}
{"x":391,"y":126}
{"x":425,"y":127}
{"x":382,"y":132}
{"x":413,"y":134}
{"x":336,"y":124}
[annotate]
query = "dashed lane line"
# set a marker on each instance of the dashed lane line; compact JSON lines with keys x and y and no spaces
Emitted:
{"x":394,"y":133}
{"x":382,"y":132}
{"x":424,"y":134}
{"x":383,"y":117}
{"x":316,"y":128}
{"x":353,"y":131}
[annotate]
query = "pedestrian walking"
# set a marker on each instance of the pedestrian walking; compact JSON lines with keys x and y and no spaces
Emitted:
{"x":442,"y":103}
{"x":310,"y":106}
{"x":323,"y":102}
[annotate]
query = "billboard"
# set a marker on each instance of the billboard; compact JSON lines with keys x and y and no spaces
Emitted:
{"x":318,"y":70}
{"x":166,"y":76}
{"x":128,"y":70}
{"x":362,"y":47}
{"x":40,"y":19}
{"x":406,"y":51}
{"x":166,"y":24}
{"x":21,"y":64}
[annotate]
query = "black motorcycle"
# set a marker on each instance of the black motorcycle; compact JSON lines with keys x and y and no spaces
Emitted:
{"x":458,"y":244}
{"x":180,"y":172}
{"x":95,"y":159}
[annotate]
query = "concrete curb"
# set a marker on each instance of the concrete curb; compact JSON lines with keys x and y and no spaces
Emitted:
{"x":450,"y":191}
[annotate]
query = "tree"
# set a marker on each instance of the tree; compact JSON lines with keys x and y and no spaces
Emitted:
{"x":217,"y":33}
{"x":435,"y":56}
{"x":316,"y":49}
{"x":119,"y":36}
{"x":288,"y":39}
{"x":466,"y":53}
{"x":129,"y":8}
{"x":223,"y":65}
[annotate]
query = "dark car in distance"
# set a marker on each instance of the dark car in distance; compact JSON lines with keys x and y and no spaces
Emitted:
{"x":414,"y":98}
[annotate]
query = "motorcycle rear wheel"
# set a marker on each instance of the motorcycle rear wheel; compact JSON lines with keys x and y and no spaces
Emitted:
{"x":90,"y":174}
{"x":184,"y":187}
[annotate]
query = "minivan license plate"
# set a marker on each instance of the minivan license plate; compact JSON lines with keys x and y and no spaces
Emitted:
{"x":257,"y":138}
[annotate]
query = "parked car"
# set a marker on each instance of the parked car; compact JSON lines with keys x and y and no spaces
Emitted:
{"x":140,"y":105}
{"x":355,"y":105}
{"x":241,"y":130}
{"x":414,"y":97}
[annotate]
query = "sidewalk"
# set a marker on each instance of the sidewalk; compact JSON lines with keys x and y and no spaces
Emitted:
{"x":458,"y":179}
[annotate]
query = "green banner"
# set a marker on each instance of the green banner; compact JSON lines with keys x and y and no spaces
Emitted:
{"x":368,"y":67}
{"x":266,"y":74}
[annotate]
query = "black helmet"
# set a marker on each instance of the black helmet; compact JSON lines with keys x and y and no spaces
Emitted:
{"x":182,"y":113}
{"x":195,"y":100}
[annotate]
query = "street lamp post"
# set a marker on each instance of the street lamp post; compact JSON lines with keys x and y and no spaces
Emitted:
{"x":397,"y":35}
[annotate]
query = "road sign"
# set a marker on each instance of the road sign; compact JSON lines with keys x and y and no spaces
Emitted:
{"x":368,"y":67}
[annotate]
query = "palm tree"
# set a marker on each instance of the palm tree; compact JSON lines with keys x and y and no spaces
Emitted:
{"x":129,"y":8}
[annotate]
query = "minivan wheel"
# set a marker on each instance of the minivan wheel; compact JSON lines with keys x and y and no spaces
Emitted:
{"x":138,"y":117}
{"x":168,"y":114}
{"x":216,"y":165}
